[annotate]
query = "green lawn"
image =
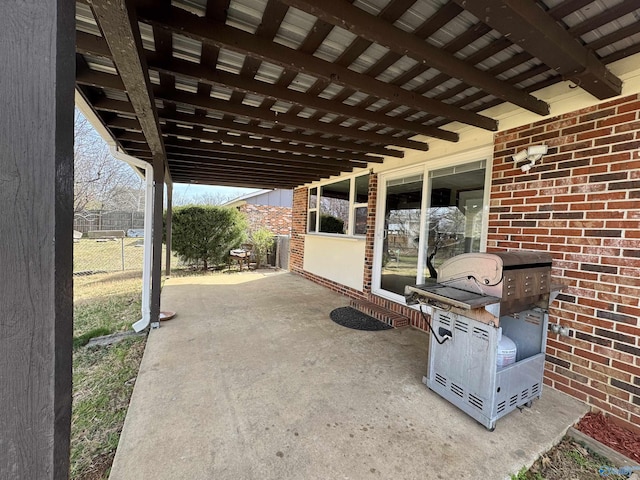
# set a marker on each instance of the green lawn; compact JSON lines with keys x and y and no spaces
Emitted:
{"x":116,"y":255}
{"x":103,"y":377}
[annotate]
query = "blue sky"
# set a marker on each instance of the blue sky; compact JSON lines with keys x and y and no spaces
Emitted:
{"x":191,"y":191}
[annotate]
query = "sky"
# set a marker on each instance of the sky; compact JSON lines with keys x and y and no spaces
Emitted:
{"x":191,"y":191}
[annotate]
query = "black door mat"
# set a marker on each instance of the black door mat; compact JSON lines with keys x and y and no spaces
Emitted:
{"x":352,"y":318}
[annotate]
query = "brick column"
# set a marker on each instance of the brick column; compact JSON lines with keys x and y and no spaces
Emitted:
{"x":298,"y":229}
{"x":371,"y":232}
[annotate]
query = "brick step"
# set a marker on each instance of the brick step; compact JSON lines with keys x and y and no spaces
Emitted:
{"x":380,"y":313}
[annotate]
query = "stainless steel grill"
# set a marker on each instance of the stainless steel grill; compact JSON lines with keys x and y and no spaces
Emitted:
{"x":476,"y":299}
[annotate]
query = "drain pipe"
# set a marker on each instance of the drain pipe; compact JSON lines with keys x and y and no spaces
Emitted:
{"x":147,"y":239}
{"x":86,"y":110}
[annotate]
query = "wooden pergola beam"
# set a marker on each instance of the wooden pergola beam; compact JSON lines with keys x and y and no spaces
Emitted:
{"x":114,"y":106}
{"x":374,"y":29}
{"x":301,"y":139}
{"x":243,"y":140}
{"x":238,"y":183}
{"x":120,"y":29}
{"x":105,"y":80}
{"x":180,"y":21}
{"x":275,"y":92}
{"x":200,"y":148}
{"x":526,"y":24}
{"x":135,"y":143}
{"x":230,"y":167}
{"x":268,"y":115}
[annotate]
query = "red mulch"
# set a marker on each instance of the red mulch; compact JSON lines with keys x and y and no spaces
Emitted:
{"x":604,"y":430}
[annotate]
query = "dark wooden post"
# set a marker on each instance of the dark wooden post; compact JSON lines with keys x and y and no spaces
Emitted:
{"x":168,"y":228}
{"x":156,"y":262}
{"x":36,"y":196}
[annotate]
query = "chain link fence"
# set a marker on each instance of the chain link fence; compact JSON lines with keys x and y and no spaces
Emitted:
{"x":106,"y":242}
{"x":90,"y":220}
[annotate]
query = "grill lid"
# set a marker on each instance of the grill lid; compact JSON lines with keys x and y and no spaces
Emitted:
{"x":487,"y":268}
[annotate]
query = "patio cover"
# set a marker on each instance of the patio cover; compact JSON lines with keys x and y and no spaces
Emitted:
{"x":279,"y":93}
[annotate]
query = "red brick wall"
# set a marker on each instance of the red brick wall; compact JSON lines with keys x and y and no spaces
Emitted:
{"x":297,"y":255}
{"x":276,"y":219}
{"x":298,"y":229}
{"x":582,"y":204}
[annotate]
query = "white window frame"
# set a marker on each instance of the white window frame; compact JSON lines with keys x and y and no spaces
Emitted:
{"x":352,"y":206}
{"x":485,"y":154}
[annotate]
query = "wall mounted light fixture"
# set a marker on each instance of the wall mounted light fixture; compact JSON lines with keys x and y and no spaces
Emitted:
{"x":531,"y":155}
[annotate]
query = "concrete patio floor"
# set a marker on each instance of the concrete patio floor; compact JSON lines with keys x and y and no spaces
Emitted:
{"x":252,"y":380}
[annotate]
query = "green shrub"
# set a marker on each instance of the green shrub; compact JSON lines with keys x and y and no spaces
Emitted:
{"x":262,"y":240}
{"x":206,"y":234}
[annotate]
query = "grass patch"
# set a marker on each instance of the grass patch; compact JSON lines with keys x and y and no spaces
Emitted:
{"x":568,"y":460}
{"x":103,"y":381}
{"x":103,"y":377}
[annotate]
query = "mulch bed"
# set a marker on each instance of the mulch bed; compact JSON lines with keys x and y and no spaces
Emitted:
{"x":604,"y":430}
{"x":351,"y":318}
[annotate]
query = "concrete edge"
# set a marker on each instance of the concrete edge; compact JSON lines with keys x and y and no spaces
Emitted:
{"x":550,"y":445}
{"x":618,"y":459}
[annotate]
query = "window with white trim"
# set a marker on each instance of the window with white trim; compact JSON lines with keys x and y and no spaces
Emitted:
{"x":339,"y":207}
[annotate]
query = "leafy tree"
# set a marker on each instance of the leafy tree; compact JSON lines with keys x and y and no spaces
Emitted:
{"x":262,"y":240}
{"x":206,"y":233}
{"x":100,"y":181}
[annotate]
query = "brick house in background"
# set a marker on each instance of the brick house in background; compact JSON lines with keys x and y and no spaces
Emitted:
{"x":580,"y":203}
{"x":266,"y":208}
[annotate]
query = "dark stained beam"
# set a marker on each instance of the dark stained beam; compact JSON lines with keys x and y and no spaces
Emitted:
{"x":609,"y":14}
{"x":131,"y":124}
{"x":105,"y":80}
{"x":215,"y":178}
{"x":120,"y":29}
{"x":568,"y":6}
{"x":236,"y":82}
{"x":36,"y":245}
{"x":526,"y":24}
{"x":114,"y":106}
{"x":210,"y":76}
{"x":268,"y":115}
{"x":377,"y":30}
{"x":247,"y":182}
{"x":133,"y":142}
{"x":258,"y":153}
{"x":226,"y":166}
{"x":224,"y":36}
{"x":246,"y":141}
{"x":298,"y":138}
{"x":99,"y":79}
{"x":204,"y":149}
{"x":133,"y":137}
{"x":92,"y":45}
{"x":272,"y":16}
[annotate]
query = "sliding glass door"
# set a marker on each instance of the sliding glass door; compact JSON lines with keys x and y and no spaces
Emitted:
{"x":425,"y":217}
{"x":400,"y":249}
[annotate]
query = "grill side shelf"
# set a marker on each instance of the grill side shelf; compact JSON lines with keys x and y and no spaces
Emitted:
{"x":448,"y":295}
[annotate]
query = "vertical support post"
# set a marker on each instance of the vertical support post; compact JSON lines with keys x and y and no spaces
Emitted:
{"x":122,"y":252}
{"x":156,"y":262}
{"x":36,"y":244}
{"x":168,"y":228}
